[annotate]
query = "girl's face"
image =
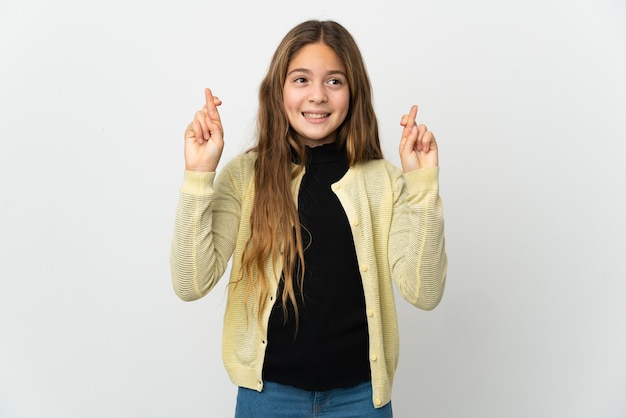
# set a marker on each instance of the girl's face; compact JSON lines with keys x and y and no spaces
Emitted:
{"x":316,"y":94}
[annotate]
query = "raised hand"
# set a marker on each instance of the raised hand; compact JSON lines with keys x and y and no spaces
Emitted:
{"x":418,"y":148}
{"x":204,"y":137}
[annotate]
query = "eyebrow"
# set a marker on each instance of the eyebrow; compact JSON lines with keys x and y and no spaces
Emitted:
{"x":307,"y":71}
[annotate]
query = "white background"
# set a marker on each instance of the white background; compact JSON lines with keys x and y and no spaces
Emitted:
{"x":527,"y":100}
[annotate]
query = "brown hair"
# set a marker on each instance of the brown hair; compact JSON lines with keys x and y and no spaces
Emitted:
{"x":274,"y":220}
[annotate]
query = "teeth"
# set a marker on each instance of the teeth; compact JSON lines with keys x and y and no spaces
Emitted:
{"x":315,"y":115}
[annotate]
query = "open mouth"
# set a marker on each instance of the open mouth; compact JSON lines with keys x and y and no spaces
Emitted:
{"x":315,"y":115}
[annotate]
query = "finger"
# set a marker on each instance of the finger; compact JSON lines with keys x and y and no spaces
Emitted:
{"x":406,"y":118}
{"x":213,"y":114}
{"x":408,"y":121}
{"x":407,"y":143}
{"x":429,"y":141}
{"x":202,"y":116}
{"x":208,"y":96}
{"x":211,"y":106}
{"x":196,"y":127}
{"x":421,"y":130}
{"x":214,"y":126}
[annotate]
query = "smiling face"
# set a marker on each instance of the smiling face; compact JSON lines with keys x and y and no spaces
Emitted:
{"x":316,"y":94}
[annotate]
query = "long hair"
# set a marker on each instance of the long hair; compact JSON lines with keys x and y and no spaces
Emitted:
{"x":276,"y":229}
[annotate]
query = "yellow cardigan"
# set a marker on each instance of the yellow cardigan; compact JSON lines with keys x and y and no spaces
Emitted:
{"x":397,"y":226}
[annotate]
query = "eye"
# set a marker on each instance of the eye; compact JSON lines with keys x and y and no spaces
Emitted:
{"x":335,"y":81}
{"x":300,"y":80}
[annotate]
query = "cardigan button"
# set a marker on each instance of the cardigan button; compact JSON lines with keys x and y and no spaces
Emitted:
{"x":378,"y":402}
{"x":370,"y":313}
{"x":373,"y":357}
{"x":364,"y":268}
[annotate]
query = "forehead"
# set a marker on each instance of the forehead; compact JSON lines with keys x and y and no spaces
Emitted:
{"x":316,"y":56}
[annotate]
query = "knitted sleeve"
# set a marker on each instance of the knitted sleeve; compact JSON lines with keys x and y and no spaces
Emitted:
{"x":205,"y":231}
{"x":417,"y":243}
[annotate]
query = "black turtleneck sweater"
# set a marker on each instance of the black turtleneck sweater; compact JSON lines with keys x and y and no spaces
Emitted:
{"x":330,"y":347}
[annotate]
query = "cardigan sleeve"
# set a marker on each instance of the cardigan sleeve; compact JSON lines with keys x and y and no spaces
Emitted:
{"x":205,"y":231}
{"x":417,"y":242}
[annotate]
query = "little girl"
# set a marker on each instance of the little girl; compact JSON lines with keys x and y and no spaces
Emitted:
{"x":318,"y":226}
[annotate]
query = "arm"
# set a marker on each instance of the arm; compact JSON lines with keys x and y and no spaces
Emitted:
{"x":207,"y":223}
{"x":418,"y":225}
{"x":417,"y":243}
{"x":200,"y":247}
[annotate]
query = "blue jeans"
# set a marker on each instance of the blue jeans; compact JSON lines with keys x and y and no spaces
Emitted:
{"x":282,"y":401}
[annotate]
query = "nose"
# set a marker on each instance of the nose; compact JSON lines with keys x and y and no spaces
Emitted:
{"x":317,"y":93}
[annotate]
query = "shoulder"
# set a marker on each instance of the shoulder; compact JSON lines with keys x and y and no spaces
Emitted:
{"x":241,"y":166}
{"x":373,"y":178}
{"x":237,"y":174}
{"x":378,"y":168}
